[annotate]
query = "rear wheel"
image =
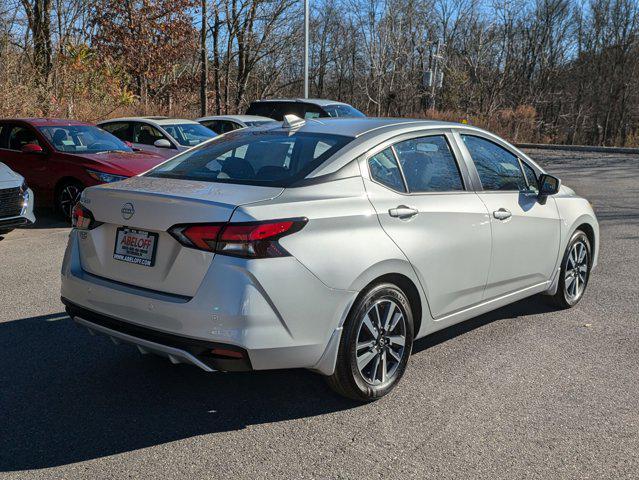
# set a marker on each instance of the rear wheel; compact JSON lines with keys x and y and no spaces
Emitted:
{"x":375,"y":345}
{"x":575,"y":271}
{"x":67,"y":195}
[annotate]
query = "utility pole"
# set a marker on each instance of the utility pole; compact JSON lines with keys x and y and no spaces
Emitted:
{"x":306,"y":48}
{"x":433,"y":77}
{"x":436,"y":75}
{"x":204,"y":72}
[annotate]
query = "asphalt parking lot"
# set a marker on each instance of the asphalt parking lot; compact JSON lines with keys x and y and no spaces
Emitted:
{"x":522,"y":392}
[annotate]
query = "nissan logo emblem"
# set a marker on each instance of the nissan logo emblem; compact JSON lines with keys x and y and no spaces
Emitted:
{"x":127,"y":211}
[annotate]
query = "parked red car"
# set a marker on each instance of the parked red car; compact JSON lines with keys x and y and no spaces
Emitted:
{"x":59,"y":158}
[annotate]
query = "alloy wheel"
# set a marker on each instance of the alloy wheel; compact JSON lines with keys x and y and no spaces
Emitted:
{"x":381,"y":342}
{"x":69,"y":196}
{"x":576,"y":273}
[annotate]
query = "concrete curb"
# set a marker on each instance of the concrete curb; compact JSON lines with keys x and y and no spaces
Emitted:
{"x":578,"y":148}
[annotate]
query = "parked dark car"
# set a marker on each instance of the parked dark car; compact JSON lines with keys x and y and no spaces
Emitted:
{"x":303,"y":108}
{"x":59,"y":158}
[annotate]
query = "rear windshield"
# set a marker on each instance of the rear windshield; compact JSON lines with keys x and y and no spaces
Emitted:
{"x":271,"y":158}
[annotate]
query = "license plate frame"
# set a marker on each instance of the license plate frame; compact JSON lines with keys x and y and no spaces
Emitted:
{"x":144,"y":259}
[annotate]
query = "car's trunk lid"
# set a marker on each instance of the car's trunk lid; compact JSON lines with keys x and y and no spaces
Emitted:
{"x":154,"y":205}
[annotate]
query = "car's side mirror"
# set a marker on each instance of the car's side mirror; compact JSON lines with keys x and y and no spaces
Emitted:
{"x":162,"y":143}
{"x":548,"y":185}
{"x":32,"y":148}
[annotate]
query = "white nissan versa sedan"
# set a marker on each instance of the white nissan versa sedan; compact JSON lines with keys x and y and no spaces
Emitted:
{"x":329,"y":245}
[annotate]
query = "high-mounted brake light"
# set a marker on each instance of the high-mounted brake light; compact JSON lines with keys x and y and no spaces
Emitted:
{"x":247,"y":240}
{"x":82,"y":218}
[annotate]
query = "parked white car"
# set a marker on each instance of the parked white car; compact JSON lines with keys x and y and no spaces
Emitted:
{"x":227,"y":123}
{"x":329,"y":245}
{"x":16,"y":201}
{"x":162,"y":135}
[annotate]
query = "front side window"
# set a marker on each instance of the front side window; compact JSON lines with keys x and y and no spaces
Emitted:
{"x":342,"y":111}
{"x":189,"y":134}
{"x":146,"y":134}
{"x":498,"y":169}
{"x":83,"y":139}
{"x":384,"y":170}
{"x":20,"y":136}
{"x":313,"y":111}
{"x":531,"y":177}
{"x":254,"y":158}
{"x":429,"y":165}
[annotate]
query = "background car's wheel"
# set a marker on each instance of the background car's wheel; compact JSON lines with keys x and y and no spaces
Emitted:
{"x":375,"y":345}
{"x":575,"y":272}
{"x":67,"y":196}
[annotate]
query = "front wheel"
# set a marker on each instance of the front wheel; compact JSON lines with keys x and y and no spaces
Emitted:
{"x":66,"y":197}
{"x":575,"y":271}
{"x":376,"y":342}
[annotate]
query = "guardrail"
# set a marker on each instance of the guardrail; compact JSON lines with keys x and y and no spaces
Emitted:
{"x":578,"y":148}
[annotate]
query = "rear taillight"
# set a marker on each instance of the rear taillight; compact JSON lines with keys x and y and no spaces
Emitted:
{"x":248,"y":240}
{"x":82,"y":218}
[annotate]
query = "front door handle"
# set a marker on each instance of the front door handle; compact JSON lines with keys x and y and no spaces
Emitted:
{"x":502,"y":214}
{"x":403,"y":211}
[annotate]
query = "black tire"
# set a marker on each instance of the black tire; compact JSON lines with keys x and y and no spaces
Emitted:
{"x":5,"y":231}
{"x":63,"y":202}
{"x":564,"y":297}
{"x":348,"y":380}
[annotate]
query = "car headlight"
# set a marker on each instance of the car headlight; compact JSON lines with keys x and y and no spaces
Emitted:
{"x":105,"y":177}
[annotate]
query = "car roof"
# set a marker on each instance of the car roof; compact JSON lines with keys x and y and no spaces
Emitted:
{"x":152,"y":120}
{"x":369,"y":132}
{"x":320,"y":102}
{"x":358,"y":126}
{"x":239,"y":118}
{"x":47,"y":122}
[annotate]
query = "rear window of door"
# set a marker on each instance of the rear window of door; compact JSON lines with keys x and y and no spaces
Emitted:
{"x":224,"y":126}
{"x":385,"y":170}
{"x":122,"y":130}
{"x":313,"y":111}
{"x":276,"y":110}
{"x":19,"y":136}
{"x":429,"y":165}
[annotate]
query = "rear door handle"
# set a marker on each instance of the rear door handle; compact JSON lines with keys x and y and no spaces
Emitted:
{"x":502,"y":214}
{"x":403,"y":211}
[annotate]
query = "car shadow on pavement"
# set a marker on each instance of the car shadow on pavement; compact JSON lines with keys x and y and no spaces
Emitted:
{"x":67,"y":397}
{"x":47,"y":218}
{"x":529,"y":306}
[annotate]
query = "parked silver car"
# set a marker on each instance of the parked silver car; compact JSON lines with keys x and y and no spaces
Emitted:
{"x":227,"y":123}
{"x":329,"y":245}
{"x":161,"y":135}
{"x":16,"y":201}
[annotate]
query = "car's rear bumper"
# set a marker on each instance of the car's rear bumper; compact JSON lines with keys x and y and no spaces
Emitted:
{"x":209,"y":356}
{"x":275,"y":310}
